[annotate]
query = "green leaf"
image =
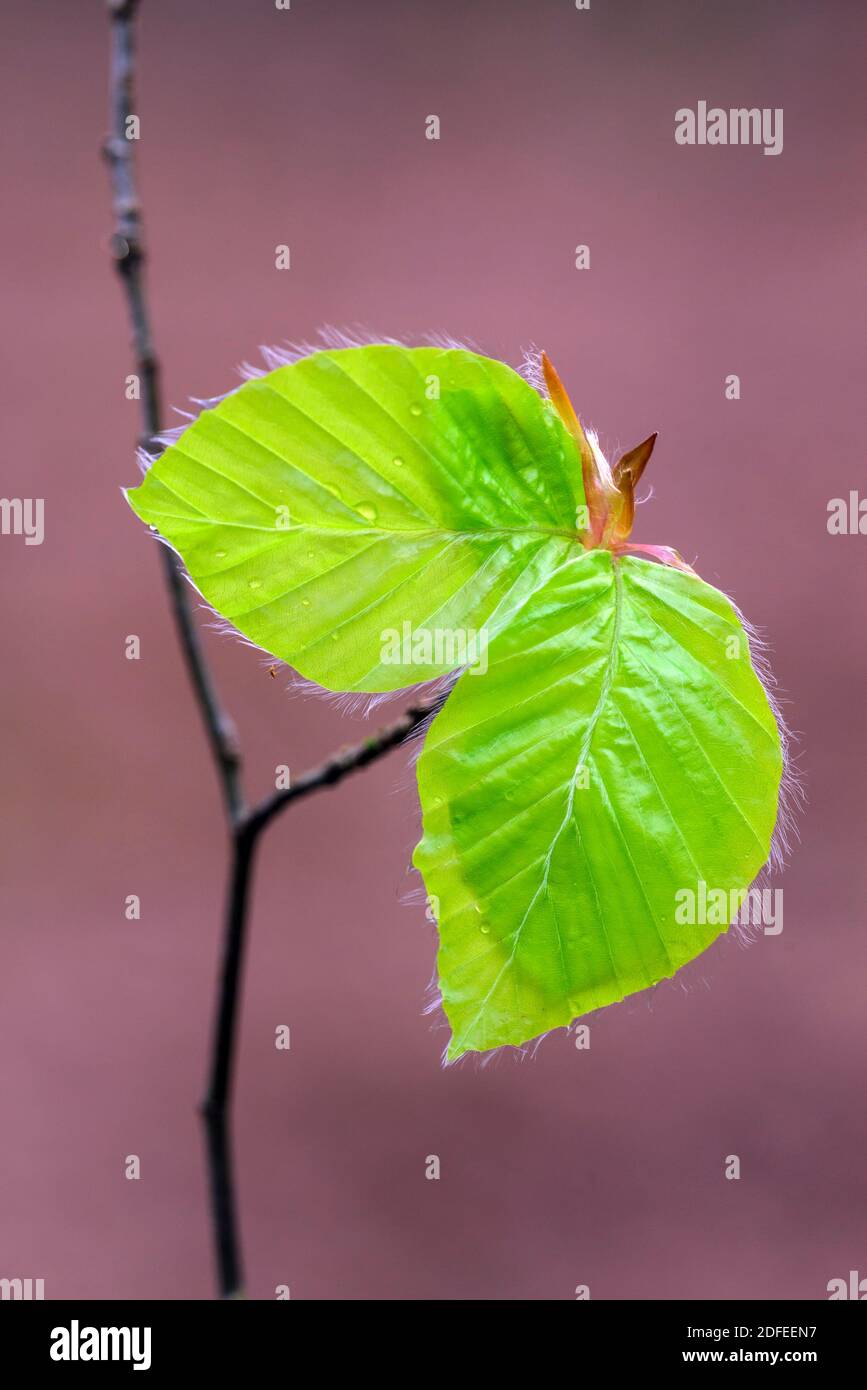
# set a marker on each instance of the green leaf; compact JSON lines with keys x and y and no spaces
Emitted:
{"x":612,"y":752}
{"x":618,"y":751}
{"x":323,"y":507}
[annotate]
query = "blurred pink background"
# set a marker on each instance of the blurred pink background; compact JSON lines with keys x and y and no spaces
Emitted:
{"x":602,"y":1167}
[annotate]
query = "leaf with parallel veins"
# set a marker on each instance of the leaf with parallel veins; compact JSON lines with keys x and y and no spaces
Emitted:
{"x":613,"y":747}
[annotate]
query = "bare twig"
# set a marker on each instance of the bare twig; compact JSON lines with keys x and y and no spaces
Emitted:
{"x":339,"y":765}
{"x":245,"y":825}
{"x":128,"y":253}
{"x":215,"y":1106}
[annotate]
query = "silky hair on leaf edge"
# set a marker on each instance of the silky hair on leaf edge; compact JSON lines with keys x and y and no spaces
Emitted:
{"x":622,"y":743}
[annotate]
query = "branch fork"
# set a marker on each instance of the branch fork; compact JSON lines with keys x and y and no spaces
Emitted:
{"x":245,"y":824}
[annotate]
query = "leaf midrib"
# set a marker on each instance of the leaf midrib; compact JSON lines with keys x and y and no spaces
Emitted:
{"x":303,"y":528}
{"x":458,"y":1043}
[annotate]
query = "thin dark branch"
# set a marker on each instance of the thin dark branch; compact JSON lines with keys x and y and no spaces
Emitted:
{"x":129,"y":256}
{"x":223,"y":1050}
{"x":245,"y":838}
{"x":128,"y":253}
{"x":341,"y":764}
{"x":215,"y":1106}
{"x":245,"y":825}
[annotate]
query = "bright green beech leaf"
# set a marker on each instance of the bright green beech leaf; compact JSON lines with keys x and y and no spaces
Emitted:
{"x":380,"y":516}
{"x":361,"y":495}
{"x":618,"y":751}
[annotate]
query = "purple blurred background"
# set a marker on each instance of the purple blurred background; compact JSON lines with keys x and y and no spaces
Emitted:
{"x":602,"y":1167}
